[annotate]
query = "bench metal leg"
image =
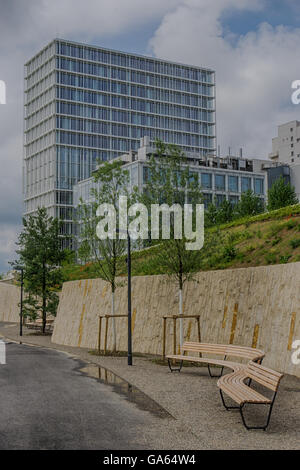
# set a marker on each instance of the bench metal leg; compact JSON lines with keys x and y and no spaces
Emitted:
{"x":212,"y":375}
{"x":175,"y":369}
{"x":226,"y":406}
{"x":268,"y":418}
{"x":216,"y":376}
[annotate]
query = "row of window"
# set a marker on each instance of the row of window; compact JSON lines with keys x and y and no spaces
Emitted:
{"x":102,"y":141}
{"x":141,"y":63}
{"x":206,"y":181}
{"x":159,"y":109}
{"x":105,"y":127}
{"x":133,"y":76}
{"x":139,"y":91}
{"x":116,"y":101}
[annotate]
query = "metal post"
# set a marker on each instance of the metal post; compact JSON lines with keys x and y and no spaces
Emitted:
{"x":99,"y":335}
{"x":174,"y":334}
{"x":21,"y":303}
{"x":164,"y":337}
{"x":129,"y":301}
{"x":106,"y":333}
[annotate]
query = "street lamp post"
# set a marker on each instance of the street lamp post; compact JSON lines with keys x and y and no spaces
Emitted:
{"x":129,"y":354}
{"x":21,"y":269}
{"x":129,"y":300}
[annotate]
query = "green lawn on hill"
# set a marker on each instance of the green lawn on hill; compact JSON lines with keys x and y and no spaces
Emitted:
{"x":265,"y":239}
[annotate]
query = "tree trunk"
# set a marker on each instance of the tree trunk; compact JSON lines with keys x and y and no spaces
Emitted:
{"x":44,"y":300}
{"x":114,"y":345}
{"x":181,"y":319}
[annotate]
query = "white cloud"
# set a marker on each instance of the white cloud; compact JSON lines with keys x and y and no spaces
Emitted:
{"x":254,"y":72}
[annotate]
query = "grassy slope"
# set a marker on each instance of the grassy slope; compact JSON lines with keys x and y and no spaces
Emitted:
{"x":269,"y":238}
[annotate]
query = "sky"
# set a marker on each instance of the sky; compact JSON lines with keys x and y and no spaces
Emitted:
{"x":252,"y":45}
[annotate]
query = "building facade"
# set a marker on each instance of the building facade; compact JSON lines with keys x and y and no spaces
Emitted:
{"x":85,"y":103}
{"x":286,"y":146}
{"x":220,"y":178}
{"x":286,"y":155}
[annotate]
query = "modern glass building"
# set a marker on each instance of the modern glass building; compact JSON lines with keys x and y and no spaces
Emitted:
{"x":85,"y":103}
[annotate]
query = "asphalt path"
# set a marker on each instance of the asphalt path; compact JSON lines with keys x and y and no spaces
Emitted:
{"x":46,"y":402}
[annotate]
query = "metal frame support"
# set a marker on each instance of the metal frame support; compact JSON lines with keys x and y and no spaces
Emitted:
{"x":216,"y":376}
{"x":241,"y":407}
{"x":175,"y":369}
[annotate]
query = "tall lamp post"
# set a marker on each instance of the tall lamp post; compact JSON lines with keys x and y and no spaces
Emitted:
{"x":21,"y":269}
{"x":129,"y":294}
{"x":129,"y":300}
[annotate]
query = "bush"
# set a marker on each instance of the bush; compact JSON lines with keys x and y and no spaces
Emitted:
{"x":295,"y":243}
{"x":281,"y":195}
{"x":271,"y":258}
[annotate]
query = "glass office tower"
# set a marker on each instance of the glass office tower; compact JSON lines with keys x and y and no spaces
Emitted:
{"x":85,"y":103}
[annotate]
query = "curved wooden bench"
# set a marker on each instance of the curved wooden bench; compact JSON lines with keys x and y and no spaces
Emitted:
{"x":233,"y":384}
{"x":243,"y":352}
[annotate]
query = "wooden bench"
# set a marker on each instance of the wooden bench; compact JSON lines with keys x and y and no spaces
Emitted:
{"x":225,"y":350}
{"x":233,"y":384}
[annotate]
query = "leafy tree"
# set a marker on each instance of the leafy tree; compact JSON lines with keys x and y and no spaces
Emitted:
{"x":40,"y":255}
{"x":170,"y":182}
{"x":281,"y":194}
{"x":249,"y":204}
{"x":112,"y":182}
{"x":219,"y":215}
{"x":84,"y":251}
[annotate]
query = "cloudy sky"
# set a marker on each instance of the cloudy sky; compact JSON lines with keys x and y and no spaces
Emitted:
{"x":252,"y":44}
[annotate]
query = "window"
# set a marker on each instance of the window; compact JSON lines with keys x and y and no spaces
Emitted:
{"x":246,"y":184}
{"x":206,"y":180}
{"x":233,"y":200}
{"x":207,"y":199}
{"x":220,"y":182}
{"x":258,"y":186}
{"x":219,"y":199}
{"x":233,"y":183}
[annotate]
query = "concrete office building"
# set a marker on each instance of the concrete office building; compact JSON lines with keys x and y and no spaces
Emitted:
{"x":85,"y":103}
{"x":286,"y":155}
{"x":286,"y":146}
{"x":220,"y":177}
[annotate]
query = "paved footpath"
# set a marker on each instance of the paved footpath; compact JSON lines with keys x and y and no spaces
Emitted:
{"x":47,"y":403}
{"x":191,"y":397}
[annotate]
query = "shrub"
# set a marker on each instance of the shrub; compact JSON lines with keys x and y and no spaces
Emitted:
{"x":295,"y":243}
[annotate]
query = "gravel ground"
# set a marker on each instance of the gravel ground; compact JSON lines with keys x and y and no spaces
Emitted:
{"x":193,"y":399}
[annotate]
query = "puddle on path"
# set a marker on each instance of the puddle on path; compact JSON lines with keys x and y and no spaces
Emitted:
{"x":124,"y":388}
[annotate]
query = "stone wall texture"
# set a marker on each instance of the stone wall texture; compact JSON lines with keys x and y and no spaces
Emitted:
{"x":9,"y":300}
{"x":257,"y":307}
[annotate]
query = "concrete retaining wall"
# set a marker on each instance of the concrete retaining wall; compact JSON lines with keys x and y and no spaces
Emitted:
{"x":249,"y":306}
{"x":9,"y":300}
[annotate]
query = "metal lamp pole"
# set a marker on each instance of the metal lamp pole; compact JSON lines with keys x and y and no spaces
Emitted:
{"x":129,"y":300}
{"x":129,"y":294}
{"x":21,"y":303}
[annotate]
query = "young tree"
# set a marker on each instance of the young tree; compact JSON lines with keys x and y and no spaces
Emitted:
{"x":170,"y":182}
{"x":249,"y":204}
{"x":40,"y":255}
{"x":84,"y":251}
{"x":219,"y":215}
{"x":112,"y":182}
{"x":281,"y":194}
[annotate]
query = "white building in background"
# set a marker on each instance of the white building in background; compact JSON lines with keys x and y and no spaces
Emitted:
{"x":286,"y":154}
{"x":220,"y":177}
{"x":286,"y":146}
